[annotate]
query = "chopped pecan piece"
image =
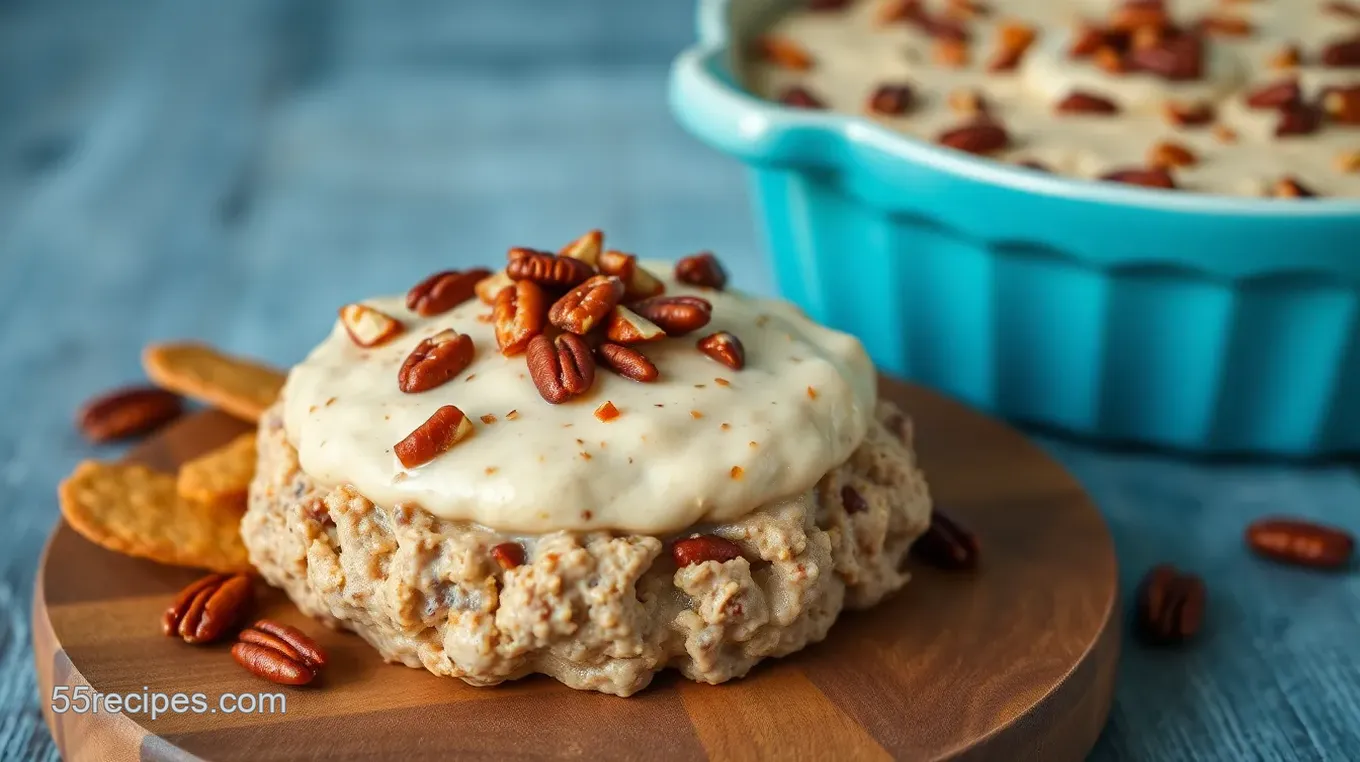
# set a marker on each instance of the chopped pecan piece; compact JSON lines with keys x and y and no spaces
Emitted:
{"x":1170,"y":155}
{"x":891,"y":100}
{"x":508,"y":555}
{"x":950,"y":52}
{"x":1086,"y":40}
{"x":1298,"y":119}
{"x":784,"y":53}
{"x":1013,"y":41}
{"x":1342,"y":53}
{"x":1286,"y":57}
{"x":800,"y":97}
{"x":702,"y":270}
{"x":979,"y":137}
{"x":1342,"y":104}
{"x":586,"y":248}
{"x":627,"y":327}
{"x":1193,"y":114}
{"x":637,"y":282}
{"x":725,"y":348}
{"x":627,"y":362}
{"x":1155,"y":177}
{"x":1275,"y":95}
{"x":1081,"y":102}
{"x":368,"y":327}
{"x":1177,"y":59}
{"x":702,"y":548}
{"x":1288,"y":187}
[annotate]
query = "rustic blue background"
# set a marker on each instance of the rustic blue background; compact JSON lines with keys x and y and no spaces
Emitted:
{"x":235,"y":170}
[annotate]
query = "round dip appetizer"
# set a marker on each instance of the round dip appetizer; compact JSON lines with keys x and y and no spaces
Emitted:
{"x":1228,"y":98}
{"x":584,"y":466}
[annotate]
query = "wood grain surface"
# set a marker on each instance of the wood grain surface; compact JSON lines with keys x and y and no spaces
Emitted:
{"x":1013,"y":662}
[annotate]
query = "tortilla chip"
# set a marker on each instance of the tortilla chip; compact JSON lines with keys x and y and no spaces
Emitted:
{"x":133,"y":510}
{"x":221,"y":476}
{"x":241,"y":387}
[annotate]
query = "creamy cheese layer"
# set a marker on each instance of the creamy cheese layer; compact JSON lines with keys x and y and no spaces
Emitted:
{"x":853,"y":54}
{"x":702,"y":443}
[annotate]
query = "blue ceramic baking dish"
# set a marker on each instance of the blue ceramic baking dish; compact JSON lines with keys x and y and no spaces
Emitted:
{"x":1195,"y":322}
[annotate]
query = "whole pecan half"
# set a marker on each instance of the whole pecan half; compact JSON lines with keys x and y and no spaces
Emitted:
{"x":368,"y":327}
{"x":979,"y":137}
{"x":637,"y":282}
{"x":278,"y":653}
{"x":206,"y":608}
{"x":508,"y":554}
{"x":128,"y":412}
{"x":437,"y":435}
{"x":1082,"y":102}
{"x":677,"y":315}
{"x":704,"y":547}
{"x":583,"y":307}
{"x":627,"y":327}
{"x":946,"y":544}
{"x":443,"y":291}
{"x":627,"y":362}
{"x":1300,"y":542}
{"x":435,"y":361}
{"x":519,"y":314}
{"x":561,"y":368}
{"x":1170,"y":606}
{"x":725,"y":348}
{"x":547,"y":270}
{"x":702,"y":270}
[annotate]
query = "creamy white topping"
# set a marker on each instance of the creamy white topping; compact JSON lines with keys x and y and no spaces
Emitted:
{"x":854,"y":54}
{"x":702,"y":443}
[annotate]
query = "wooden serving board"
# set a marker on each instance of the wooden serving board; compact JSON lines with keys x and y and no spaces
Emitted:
{"x":1015,"y":661}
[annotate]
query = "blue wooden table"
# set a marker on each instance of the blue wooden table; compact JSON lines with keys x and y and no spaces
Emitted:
{"x":233,"y":171}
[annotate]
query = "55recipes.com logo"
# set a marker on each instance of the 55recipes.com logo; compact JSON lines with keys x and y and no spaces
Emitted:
{"x":81,"y":699}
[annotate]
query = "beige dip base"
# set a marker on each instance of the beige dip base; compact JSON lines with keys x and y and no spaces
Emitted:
{"x":594,"y":610}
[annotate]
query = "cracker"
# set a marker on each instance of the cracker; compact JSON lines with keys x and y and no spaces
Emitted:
{"x":241,"y":387}
{"x":220,"y":476}
{"x":133,"y":510}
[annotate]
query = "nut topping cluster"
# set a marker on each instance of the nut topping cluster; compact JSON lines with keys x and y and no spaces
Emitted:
{"x":567,"y":313}
{"x":1134,"y":39}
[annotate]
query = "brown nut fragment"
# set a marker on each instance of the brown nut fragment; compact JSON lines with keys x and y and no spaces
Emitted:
{"x":1276,"y":95}
{"x":1286,"y":57}
{"x":1224,"y":134}
{"x":1300,"y":542}
{"x":1176,"y":59}
{"x":520,"y":314}
{"x":1012,"y":42}
{"x":205,"y":609}
{"x":891,"y":99}
{"x":128,"y":412}
{"x":547,"y":270}
{"x":1342,"y":104}
{"x":435,"y":361}
{"x":1082,"y":102}
{"x":437,"y":435}
{"x":586,"y":248}
{"x":1167,"y":154}
{"x":628,"y":327}
{"x":278,"y":653}
{"x":1108,"y":59}
{"x":368,"y":327}
{"x":1192,"y":114}
{"x":724,"y":348}
{"x":702,"y":270}
{"x":627,"y":362}
{"x":508,"y":554}
{"x":637,"y":282}
{"x":1342,"y":53}
{"x":947,"y":545}
{"x":784,"y":53}
{"x":979,"y":137}
{"x":1135,"y":14}
{"x":443,"y":291}
{"x":1169,"y":606}
{"x":583,"y":307}
{"x":1289,"y":187}
{"x":1298,"y":119}
{"x":950,"y":52}
{"x":1347,"y":162}
{"x":487,"y":288}
{"x":606,"y":412}
{"x":702,"y":548}
{"x":561,"y":368}
{"x":800,"y":97}
{"x":677,"y":315}
{"x":1086,"y":40}
{"x":1154,"y":177}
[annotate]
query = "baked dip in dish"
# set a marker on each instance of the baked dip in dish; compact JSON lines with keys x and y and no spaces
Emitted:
{"x":1214,"y":318}
{"x":1248,"y":99}
{"x":584,"y":466}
